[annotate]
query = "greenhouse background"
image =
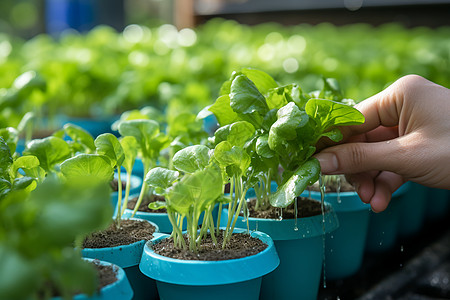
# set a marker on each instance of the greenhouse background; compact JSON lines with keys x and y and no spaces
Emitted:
{"x":112,"y":61}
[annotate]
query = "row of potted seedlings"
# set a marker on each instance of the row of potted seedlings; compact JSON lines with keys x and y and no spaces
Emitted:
{"x":262,"y":151}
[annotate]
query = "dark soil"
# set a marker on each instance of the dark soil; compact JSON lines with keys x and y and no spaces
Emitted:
{"x":240,"y":245}
{"x":305,"y":208}
{"x":115,"y":185}
{"x":106,"y":274}
{"x":145,"y":202}
{"x":130,"y":231}
{"x":332,"y":186}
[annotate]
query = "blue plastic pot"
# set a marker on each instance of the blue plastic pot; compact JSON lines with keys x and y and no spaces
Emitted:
{"x":219,"y":280}
{"x":344,"y":247}
{"x":412,"y":212}
{"x":384,"y":226}
{"x":437,"y":205}
{"x":299,"y":244}
{"x":128,"y":258}
{"x":118,"y":290}
{"x":95,"y":126}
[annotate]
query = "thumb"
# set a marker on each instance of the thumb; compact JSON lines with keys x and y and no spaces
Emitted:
{"x":352,"y":158}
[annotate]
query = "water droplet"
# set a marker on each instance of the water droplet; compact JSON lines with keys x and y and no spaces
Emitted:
{"x":338,"y":189}
{"x":401,"y":248}
{"x":295,"y":228}
{"x":388,"y":142}
{"x":401,"y":265}
{"x":381,"y":243}
{"x":332,"y":236}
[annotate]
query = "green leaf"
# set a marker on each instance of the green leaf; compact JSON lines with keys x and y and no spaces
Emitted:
{"x":23,"y":162}
{"x":157,"y":205}
{"x":247,"y":101}
{"x":161,"y":178}
{"x":199,"y":190}
{"x":130,"y":150}
{"x":334,"y":134}
{"x":80,"y":136}
{"x":331,"y":90}
{"x":88,"y":165}
{"x":50,"y":151}
{"x":5,"y":159}
{"x":191,"y":159}
{"x":11,"y":136}
{"x":262,"y":147}
{"x":328,"y":113}
{"x":237,"y":134}
{"x":23,"y":183}
{"x":263,"y":81}
{"x":108,"y":145}
{"x":233,"y":158}
{"x":305,"y":175}
{"x":223,"y":111}
{"x":290,"y":119}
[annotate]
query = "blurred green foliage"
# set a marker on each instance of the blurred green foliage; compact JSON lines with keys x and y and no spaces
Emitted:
{"x":104,"y":72}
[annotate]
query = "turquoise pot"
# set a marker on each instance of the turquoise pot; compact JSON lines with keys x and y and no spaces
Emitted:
{"x":128,"y":258}
{"x":412,"y":212}
{"x":345,"y":247}
{"x":384,"y":226}
{"x":438,"y":204}
{"x":118,"y":290}
{"x":159,"y":218}
{"x":94,"y":126}
{"x":204,"y":280}
{"x":300,"y":246}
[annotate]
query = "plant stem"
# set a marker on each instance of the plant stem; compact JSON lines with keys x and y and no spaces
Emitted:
{"x":211,"y":229}
{"x":119,"y":196}
{"x":144,"y":190}
{"x":231,"y":207}
{"x":127,"y":194}
{"x":219,"y":214}
{"x":178,"y":237}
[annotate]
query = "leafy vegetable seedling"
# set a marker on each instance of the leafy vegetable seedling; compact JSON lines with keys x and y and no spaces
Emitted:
{"x":287,"y":124}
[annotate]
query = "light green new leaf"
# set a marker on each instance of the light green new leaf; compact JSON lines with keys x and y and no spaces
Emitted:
{"x":130,"y":150}
{"x":50,"y":151}
{"x":141,"y":130}
{"x":80,"y":136}
{"x":262,"y":147}
{"x":89,"y":165}
{"x":305,"y":175}
{"x":191,"y":158}
{"x":108,"y":145}
{"x":161,"y":178}
{"x":223,"y":111}
{"x":328,"y":113}
{"x":199,"y":189}
{"x":23,"y":162}
{"x":11,"y":136}
{"x":233,"y":158}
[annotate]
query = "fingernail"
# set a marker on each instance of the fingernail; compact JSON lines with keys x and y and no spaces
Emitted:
{"x":328,"y":162}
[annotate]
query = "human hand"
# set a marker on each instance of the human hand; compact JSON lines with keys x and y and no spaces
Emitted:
{"x":406,"y":136}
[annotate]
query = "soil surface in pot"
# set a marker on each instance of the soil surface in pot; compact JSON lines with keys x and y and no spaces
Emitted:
{"x":145,"y":202}
{"x":305,"y":208}
{"x":240,"y":245}
{"x":130,"y":231}
{"x":332,"y":185}
{"x":106,"y":275}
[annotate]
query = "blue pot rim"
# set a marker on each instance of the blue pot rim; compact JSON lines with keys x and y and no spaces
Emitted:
{"x":123,"y":255}
{"x":115,"y":291}
{"x":203,"y":273}
{"x":349,"y":201}
{"x":292,"y":229}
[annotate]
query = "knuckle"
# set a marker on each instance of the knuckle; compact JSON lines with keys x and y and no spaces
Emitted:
{"x":355,"y":156}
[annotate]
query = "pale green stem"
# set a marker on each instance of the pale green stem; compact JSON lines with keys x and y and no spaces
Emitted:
{"x":143,"y":192}
{"x":233,"y":205}
{"x":211,"y":229}
{"x":127,"y":194}
{"x":119,"y":196}
{"x":219,"y":215}
{"x":178,"y":237}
